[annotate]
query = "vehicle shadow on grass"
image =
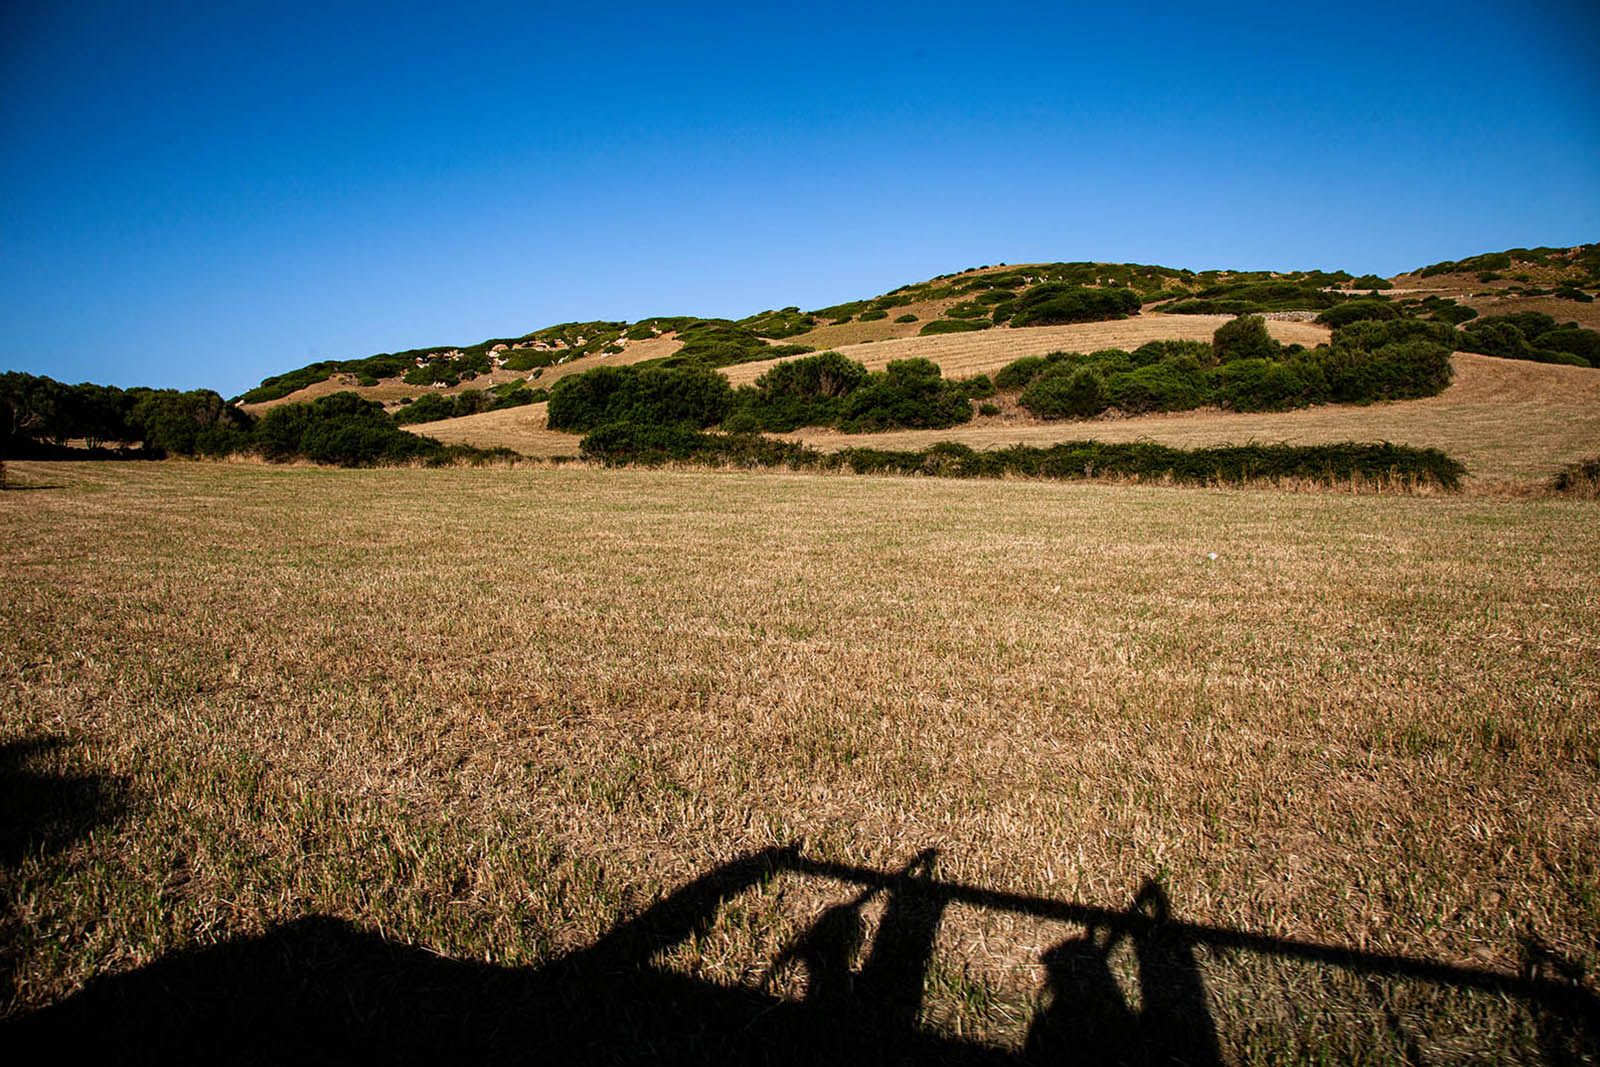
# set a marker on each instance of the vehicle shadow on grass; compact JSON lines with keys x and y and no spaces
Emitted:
{"x":321,"y":989}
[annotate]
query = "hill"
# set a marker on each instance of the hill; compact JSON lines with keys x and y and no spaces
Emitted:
{"x":975,"y":321}
{"x":976,"y":299}
{"x":989,"y":356}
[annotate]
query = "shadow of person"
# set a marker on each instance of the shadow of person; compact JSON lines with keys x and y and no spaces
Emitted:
{"x":1087,"y":1019}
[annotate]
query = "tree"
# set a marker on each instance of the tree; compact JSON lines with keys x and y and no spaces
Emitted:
{"x":1245,"y":337}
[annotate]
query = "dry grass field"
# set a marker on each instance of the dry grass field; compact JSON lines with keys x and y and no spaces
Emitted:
{"x":474,"y":719}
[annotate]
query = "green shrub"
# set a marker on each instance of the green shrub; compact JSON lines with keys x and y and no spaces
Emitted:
{"x":988,"y":409}
{"x":719,"y":343}
{"x":1358,"y":311}
{"x":910,"y":394}
{"x":1200,"y":352}
{"x":784,"y":351}
{"x":874,"y":314}
{"x":521,"y":359}
{"x":1245,"y":337}
{"x":641,"y":444}
{"x":1369,"y":282}
{"x":968,"y":310}
{"x":1572,"y":340}
{"x":1442,"y":309}
{"x":1056,"y":304}
{"x":907,"y":317}
{"x":938,"y":326}
{"x":775,"y":324}
{"x":341,"y":429}
{"x":976,"y":388}
{"x":1261,"y":385}
{"x":1175,"y":385}
{"x":1080,"y":394}
{"x":657,"y":395}
{"x":1371,"y":334}
{"x":1568,"y":292}
{"x":825,"y":376}
{"x":430,"y":407}
{"x":1019,"y":372}
{"x":1507,"y":336}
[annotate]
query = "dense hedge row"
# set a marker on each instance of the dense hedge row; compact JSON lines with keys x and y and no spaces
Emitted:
{"x":830,"y":390}
{"x":694,"y":395}
{"x":620,"y":444}
{"x":1243,"y":369}
{"x":938,"y":326}
{"x":1531,"y":335}
{"x":1056,"y":304}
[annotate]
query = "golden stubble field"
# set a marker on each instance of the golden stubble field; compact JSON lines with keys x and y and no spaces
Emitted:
{"x":489,"y":713}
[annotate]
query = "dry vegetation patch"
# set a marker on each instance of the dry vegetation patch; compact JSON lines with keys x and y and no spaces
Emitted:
{"x":490,"y":712}
{"x":523,"y":429}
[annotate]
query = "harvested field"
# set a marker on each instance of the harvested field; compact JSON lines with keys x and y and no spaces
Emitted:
{"x":521,"y":429}
{"x":1330,"y":794}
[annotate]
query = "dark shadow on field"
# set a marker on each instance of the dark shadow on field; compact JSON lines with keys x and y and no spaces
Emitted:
{"x":322,"y":990}
{"x":42,"y":812}
{"x":48,"y":450}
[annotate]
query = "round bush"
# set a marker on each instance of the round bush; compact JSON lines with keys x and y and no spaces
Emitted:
{"x":1245,"y":337}
{"x":1077,"y":395}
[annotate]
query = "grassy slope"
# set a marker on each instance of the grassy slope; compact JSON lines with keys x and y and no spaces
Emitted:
{"x":958,"y":355}
{"x":1370,"y":722}
{"x":390,"y":390}
{"x":822,"y":337}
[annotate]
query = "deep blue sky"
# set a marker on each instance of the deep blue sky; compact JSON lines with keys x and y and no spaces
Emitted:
{"x":203,"y":194}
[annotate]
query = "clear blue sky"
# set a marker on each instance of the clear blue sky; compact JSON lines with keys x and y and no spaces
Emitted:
{"x":202,"y":194}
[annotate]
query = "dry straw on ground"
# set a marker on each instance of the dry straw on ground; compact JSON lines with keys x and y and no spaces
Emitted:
{"x":489,"y":712}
